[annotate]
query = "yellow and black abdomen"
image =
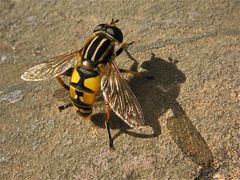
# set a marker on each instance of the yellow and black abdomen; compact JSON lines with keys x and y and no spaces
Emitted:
{"x":85,"y":80}
{"x":84,"y":86}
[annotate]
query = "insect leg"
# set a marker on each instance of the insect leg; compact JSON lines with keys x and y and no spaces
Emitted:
{"x":129,"y":71}
{"x":135,"y":73}
{"x":62,"y":83}
{"x":60,"y":108}
{"x":66,"y":73}
{"x":124,"y":46}
{"x":107,"y":126}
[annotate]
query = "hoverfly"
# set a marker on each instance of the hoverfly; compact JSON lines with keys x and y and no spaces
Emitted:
{"x":91,"y":69}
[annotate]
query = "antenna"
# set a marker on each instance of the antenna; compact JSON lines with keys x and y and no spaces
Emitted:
{"x":113,"y":22}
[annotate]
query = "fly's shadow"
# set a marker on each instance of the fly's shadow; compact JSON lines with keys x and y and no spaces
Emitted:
{"x":157,"y":86}
{"x":157,"y":91}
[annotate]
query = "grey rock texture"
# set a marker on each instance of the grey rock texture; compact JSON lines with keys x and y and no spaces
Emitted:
{"x":191,"y":106}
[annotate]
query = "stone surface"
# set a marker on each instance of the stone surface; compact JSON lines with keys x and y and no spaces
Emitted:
{"x":191,"y":106}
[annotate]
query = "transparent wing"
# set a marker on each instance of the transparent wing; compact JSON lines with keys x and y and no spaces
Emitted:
{"x":52,"y":68}
{"x":122,"y":100}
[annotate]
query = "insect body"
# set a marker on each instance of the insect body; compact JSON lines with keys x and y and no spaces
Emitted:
{"x":86,"y":79}
{"x":93,"y":68}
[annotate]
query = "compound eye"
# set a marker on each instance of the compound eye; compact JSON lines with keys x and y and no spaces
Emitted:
{"x":116,"y":33}
{"x":110,"y":31}
{"x":100,"y":27}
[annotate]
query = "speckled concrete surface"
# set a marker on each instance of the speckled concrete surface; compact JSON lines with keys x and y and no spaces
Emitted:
{"x":191,"y":106}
